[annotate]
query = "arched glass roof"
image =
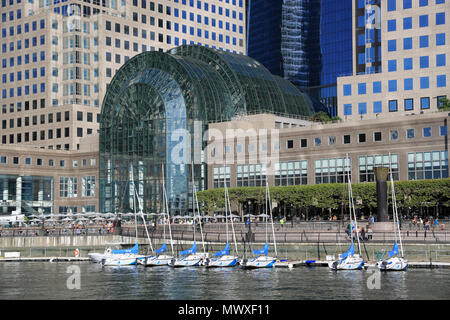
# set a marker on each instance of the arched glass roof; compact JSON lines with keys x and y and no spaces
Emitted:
{"x":155,"y":94}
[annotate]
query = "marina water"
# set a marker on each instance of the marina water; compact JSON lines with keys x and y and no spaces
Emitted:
{"x":45,"y":280}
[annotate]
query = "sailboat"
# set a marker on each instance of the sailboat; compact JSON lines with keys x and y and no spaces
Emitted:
{"x":262,"y":259}
{"x":394,"y":262}
{"x":190,"y":257}
{"x":130,"y":256}
{"x":349,"y":260}
{"x":223,"y":257}
{"x":161,"y":258}
{"x":97,"y":257}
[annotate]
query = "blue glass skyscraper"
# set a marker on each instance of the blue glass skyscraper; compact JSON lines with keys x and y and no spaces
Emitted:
{"x":264,"y":36}
{"x":308,"y":41}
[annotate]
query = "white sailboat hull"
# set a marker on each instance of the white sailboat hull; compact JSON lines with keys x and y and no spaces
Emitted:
{"x":97,"y":257}
{"x":161,"y":260}
{"x":354,"y":262}
{"x":259,"y":262}
{"x":223,"y":261}
{"x":393,"y":264}
{"x":192,"y":260}
{"x":122,"y":260}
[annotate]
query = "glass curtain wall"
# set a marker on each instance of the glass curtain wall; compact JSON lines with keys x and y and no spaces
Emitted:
{"x":156,"y":110}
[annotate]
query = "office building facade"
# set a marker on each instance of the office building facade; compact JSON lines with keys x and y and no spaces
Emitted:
{"x":402,"y":68}
{"x":58,"y":57}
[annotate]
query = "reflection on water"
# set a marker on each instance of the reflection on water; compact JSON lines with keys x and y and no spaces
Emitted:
{"x":36,"y":280}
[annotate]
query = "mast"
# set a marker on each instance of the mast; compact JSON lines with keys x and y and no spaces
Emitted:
{"x":228,"y":205}
{"x":166,"y":205}
{"x":350,"y":202}
{"x":352,"y":205}
{"x":134,"y":197}
{"x":194,"y":198}
{"x":394,"y":209}
{"x":140,"y":211}
{"x":271,"y":217}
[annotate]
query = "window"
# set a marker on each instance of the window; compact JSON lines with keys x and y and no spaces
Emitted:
{"x":407,"y":23}
{"x":331,"y":140}
{"x":427,"y":132}
{"x":291,"y":173}
{"x":393,"y":106}
{"x":392,"y":65}
{"x":441,"y":81}
{"x":443,"y":131}
{"x":393,"y":134}
{"x":440,"y":39}
{"x":408,"y":63}
{"x":407,"y":4}
{"x":392,"y":45}
{"x":346,"y":139}
{"x":424,"y":62}
{"x":334,"y":170}
{"x":440,"y":18}
{"x":425,"y":103}
{"x":409,"y":104}
{"x":251,"y":175}
{"x":367,"y":163}
{"x":423,"y":41}
{"x":377,"y":87}
{"x":391,"y":5}
{"x":391,"y":25}
{"x":440,"y":60}
{"x":361,"y":137}
{"x":88,"y":186}
{"x":407,"y":43}
{"x":68,"y":187}
{"x":423,"y":21}
{"x":221,"y":175}
{"x":377,"y":107}
{"x":410,"y":134}
{"x":347,"y":89}
{"x":362,"y":108}
{"x":361,"y":88}
{"x":408,"y":84}
{"x":428,"y":165}
{"x":424,"y":82}
{"x":303,"y":143}
{"x":317,"y":141}
{"x":392,"y":85}
{"x":347,"y":109}
{"x":289,"y":144}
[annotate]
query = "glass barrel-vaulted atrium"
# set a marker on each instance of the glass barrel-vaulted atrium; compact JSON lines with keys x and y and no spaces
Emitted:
{"x":154,"y":98}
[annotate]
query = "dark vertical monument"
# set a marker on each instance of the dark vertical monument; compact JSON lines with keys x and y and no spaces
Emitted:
{"x":381,"y":174}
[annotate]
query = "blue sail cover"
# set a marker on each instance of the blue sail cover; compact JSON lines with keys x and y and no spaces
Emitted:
{"x":350,"y":252}
{"x":134,"y":250}
{"x":162,"y":249}
{"x":264,"y":250}
{"x":224,"y":252}
{"x":394,"y":250}
{"x":193,"y":249}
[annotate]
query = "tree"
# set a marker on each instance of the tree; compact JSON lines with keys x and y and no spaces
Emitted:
{"x":445,"y":104}
{"x":320,"y":116}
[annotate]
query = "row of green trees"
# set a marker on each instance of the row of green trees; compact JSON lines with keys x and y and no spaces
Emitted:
{"x":330,"y":197}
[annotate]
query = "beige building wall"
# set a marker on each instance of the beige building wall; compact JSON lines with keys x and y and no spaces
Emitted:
{"x":382,"y":137}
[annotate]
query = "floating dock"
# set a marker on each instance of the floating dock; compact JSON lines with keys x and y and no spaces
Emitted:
{"x":46,"y":259}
